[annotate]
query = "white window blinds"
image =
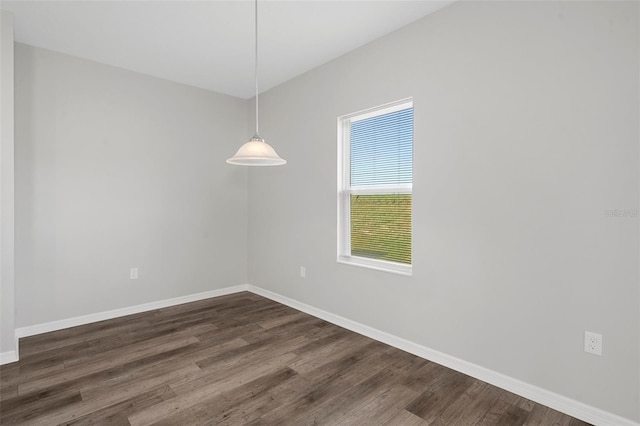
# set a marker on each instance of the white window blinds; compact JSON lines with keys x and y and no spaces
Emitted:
{"x":382,"y":150}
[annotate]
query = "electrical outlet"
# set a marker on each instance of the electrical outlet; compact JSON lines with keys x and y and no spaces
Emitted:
{"x":593,"y":343}
{"x":133,"y":273}
{"x":303,"y":272}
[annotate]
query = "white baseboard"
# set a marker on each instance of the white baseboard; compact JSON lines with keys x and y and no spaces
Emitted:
{"x":8,"y":357}
{"x":558,"y":402}
{"x":101,"y":316}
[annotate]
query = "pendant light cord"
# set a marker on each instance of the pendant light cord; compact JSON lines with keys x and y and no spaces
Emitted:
{"x":256,"y":66}
{"x":256,"y":152}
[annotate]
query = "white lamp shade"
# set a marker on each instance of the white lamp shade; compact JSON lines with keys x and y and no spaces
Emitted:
{"x":256,"y":152}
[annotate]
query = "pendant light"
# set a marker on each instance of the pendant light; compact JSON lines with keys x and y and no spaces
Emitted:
{"x":256,"y":152}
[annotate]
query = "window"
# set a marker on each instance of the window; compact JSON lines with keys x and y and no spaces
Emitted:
{"x":375,"y":187}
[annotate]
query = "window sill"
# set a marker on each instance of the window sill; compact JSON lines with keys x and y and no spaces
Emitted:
{"x":379,"y":265}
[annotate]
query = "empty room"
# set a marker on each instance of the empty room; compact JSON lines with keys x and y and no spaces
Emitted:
{"x":264,"y":212}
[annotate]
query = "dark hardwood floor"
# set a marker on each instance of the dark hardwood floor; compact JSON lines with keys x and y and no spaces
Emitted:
{"x":242,"y":359}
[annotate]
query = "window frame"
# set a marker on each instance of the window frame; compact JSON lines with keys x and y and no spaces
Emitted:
{"x":345,"y":191}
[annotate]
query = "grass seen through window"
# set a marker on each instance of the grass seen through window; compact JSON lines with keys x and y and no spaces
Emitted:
{"x":381,"y":227}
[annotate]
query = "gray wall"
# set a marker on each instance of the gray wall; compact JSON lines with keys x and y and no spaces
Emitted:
{"x":116,"y":170}
{"x":526,"y":133}
{"x":7,"y":271}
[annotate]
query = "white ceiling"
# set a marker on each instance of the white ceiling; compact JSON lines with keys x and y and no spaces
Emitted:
{"x":210,"y":44}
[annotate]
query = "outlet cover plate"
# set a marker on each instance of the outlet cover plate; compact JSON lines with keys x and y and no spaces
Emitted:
{"x":593,"y":343}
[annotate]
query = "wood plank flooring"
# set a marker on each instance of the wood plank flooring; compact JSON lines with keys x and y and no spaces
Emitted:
{"x":242,"y":360}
